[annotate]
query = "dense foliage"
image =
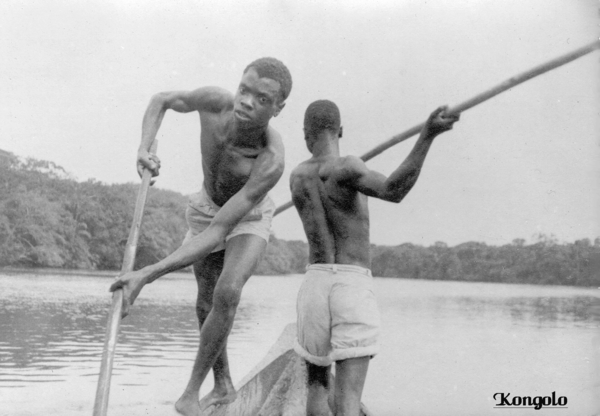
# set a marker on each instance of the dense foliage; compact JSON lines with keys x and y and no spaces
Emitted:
{"x":47,"y":219}
{"x":543,"y":262}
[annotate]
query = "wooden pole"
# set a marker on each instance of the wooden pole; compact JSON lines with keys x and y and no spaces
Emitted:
{"x":478,"y":99}
{"x":114,"y":316}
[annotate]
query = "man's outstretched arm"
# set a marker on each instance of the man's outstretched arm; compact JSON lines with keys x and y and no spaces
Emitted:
{"x":210,"y":99}
{"x":395,"y":187}
{"x":266,"y":172}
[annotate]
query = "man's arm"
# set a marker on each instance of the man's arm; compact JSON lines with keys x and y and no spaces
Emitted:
{"x":395,"y":187}
{"x":209,"y":99}
{"x":264,"y":175}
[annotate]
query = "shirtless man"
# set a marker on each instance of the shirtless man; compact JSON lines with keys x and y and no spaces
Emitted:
{"x":229,"y":220}
{"x":338,"y":319}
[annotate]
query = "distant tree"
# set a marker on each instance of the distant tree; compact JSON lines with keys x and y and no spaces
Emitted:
{"x":282,"y":257}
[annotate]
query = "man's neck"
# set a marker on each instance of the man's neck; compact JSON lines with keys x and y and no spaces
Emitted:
{"x":326,"y":145}
{"x":251,"y":136}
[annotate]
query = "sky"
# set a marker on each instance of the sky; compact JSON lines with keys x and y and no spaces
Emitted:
{"x":76,"y":78}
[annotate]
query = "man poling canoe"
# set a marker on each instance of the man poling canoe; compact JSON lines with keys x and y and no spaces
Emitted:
{"x":337,"y":316}
{"x":338,"y":319}
{"x":229,"y":219}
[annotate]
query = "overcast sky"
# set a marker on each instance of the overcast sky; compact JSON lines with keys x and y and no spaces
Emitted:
{"x":76,"y":78}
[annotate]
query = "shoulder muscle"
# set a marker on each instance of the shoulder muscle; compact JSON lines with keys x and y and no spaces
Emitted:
{"x":351,"y":168}
{"x":205,"y":99}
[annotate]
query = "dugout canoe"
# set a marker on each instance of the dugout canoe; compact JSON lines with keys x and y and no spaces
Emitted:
{"x":275,"y":387}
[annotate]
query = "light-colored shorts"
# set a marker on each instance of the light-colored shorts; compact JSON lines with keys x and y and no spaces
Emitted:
{"x":337,"y":312}
{"x":201,"y":210}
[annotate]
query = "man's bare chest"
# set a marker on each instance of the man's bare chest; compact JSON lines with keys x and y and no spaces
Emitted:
{"x":229,"y":163}
{"x":236,"y":161}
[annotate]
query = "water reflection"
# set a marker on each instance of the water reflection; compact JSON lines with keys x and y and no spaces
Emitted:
{"x":33,"y":333}
{"x":52,"y":331}
{"x":42,"y":337}
{"x":538,"y":311}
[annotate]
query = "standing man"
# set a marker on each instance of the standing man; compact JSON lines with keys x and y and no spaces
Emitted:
{"x":229,"y":219}
{"x":338,"y":319}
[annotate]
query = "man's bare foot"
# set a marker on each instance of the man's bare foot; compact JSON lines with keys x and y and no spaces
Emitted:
{"x":215,"y":398}
{"x":188,"y":405}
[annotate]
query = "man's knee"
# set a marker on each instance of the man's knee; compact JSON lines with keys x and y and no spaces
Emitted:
{"x":226,"y":298}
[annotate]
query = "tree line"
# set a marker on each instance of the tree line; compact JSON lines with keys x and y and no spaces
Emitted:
{"x":48,"y":219}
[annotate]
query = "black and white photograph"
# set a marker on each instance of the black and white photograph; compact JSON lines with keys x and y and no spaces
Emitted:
{"x":290,"y":208}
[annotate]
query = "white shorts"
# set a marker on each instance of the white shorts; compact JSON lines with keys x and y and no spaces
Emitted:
{"x":338,"y":316}
{"x":201,"y":210}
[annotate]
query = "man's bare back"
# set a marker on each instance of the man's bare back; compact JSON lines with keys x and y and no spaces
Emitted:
{"x":337,"y":317}
{"x":330,"y":192}
{"x":335,"y":217}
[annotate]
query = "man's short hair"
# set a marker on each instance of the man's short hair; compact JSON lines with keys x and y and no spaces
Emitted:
{"x":322,"y":115}
{"x":274,"y":69}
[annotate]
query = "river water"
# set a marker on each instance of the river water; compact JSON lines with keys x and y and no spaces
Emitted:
{"x":447,"y":347}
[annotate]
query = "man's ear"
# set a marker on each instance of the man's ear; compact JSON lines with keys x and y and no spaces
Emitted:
{"x":309,"y":143}
{"x":309,"y":146}
{"x":279,"y":108}
{"x":341,"y":132}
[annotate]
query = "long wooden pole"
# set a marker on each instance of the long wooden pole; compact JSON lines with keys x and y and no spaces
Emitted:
{"x":114,"y":316}
{"x":478,"y":99}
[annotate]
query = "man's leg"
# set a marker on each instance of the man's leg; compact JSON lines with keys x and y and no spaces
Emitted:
{"x":350,"y":378}
{"x":318,"y":390}
{"x":242,"y":254}
{"x":207,"y":273}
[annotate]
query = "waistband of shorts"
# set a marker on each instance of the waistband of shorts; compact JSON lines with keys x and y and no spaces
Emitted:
{"x":344,"y":268}
{"x":210,"y":201}
{"x":207,"y":198}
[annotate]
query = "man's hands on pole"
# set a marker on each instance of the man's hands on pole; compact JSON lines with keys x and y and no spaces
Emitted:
{"x":131,"y":285}
{"x":440,"y":121}
{"x":147,"y":160}
{"x":133,"y":282}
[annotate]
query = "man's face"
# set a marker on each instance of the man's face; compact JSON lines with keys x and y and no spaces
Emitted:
{"x":257,"y":100}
